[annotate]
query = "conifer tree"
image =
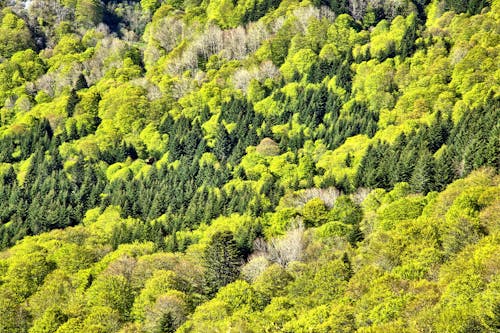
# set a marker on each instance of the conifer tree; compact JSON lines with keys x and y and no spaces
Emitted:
{"x":408,"y":42}
{"x":222,"y":261}
{"x":223,"y":143}
{"x":422,"y":179}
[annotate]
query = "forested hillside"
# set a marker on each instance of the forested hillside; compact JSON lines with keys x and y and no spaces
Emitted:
{"x":249,"y":166}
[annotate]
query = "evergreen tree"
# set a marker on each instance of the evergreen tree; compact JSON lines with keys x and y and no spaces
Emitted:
{"x":422,"y":179}
{"x":167,"y":324}
{"x":81,"y":82}
{"x":223,"y":143}
{"x":222,"y":261}
{"x":407,"y":45}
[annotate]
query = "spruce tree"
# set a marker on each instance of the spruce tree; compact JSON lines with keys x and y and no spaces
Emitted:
{"x":422,"y":179}
{"x":223,"y":144}
{"x":222,"y":261}
{"x":408,"y":41}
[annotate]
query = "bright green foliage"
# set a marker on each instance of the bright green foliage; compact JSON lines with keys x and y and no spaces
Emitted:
{"x":113,"y":292}
{"x":101,"y":319}
{"x":160,"y":283}
{"x":249,"y":166}
{"x":272,"y":282}
{"x":54,"y":295}
{"x":314,"y":212}
{"x":13,"y":316}
{"x":126,"y":109}
{"x":14,"y":34}
{"x":26,"y":273}
{"x":49,"y":322}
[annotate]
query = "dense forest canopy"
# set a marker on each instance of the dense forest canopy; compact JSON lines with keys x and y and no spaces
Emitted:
{"x":249,"y":166}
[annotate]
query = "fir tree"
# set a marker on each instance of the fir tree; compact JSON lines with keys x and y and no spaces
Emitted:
{"x":222,"y":261}
{"x":422,"y":179}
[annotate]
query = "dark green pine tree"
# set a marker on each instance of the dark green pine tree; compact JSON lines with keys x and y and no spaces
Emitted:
{"x":7,"y":148}
{"x":9,"y":177}
{"x":438,"y":132}
{"x":408,"y":158}
{"x":337,"y":6}
{"x":408,"y":42}
{"x":73,"y":100}
{"x":222,"y":261}
{"x":172,"y":245}
{"x":422,"y":179}
{"x":492,"y":149}
{"x":167,"y":324}
{"x":344,"y":185}
{"x":345,"y":259}
{"x":81,"y":82}
{"x":158,"y":237}
{"x":223,"y":143}
{"x":465,"y":6}
{"x":445,"y":171}
{"x":372,"y":171}
{"x":344,"y":73}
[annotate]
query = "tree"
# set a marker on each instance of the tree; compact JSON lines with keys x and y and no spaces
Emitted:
{"x":167,"y":314}
{"x":13,"y":315}
{"x":222,"y":260}
{"x":160,"y":283}
{"x":26,"y":273}
{"x":81,"y":82}
{"x":268,"y":147}
{"x":422,"y":180}
{"x":314,"y":212}
{"x":223,"y":144}
{"x":49,"y":322}
{"x":408,"y":41}
{"x":113,"y":292}
{"x":89,"y":12}
{"x":14,"y":34}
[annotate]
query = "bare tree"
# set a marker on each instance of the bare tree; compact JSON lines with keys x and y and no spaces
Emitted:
{"x":123,"y":266}
{"x":286,"y":249}
{"x":254,"y":268}
{"x":268,"y":70}
{"x":104,"y":58}
{"x":328,"y":196}
{"x":151,"y":54}
{"x":153,"y":90}
{"x":168,"y":32}
{"x":256,"y":33}
{"x":242,"y":78}
{"x":168,"y":312}
{"x":357,"y":8}
{"x":182,"y":86}
{"x":327,"y":13}
{"x":47,"y":83}
{"x":304,"y":15}
{"x":55,"y":81}
{"x":188,"y":60}
{"x":360,"y":195}
{"x":211,"y":42}
{"x":235,"y":43}
{"x":51,"y":13}
{"x":277,"y":24}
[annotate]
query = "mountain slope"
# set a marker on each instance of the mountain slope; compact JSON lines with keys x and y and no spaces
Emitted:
{"x":151,"y":153}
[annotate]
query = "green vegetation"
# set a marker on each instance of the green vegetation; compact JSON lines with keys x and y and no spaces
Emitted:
{"x":250,"y":166}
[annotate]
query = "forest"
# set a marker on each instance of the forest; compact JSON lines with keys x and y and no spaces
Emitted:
{"x":249,"y":166}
